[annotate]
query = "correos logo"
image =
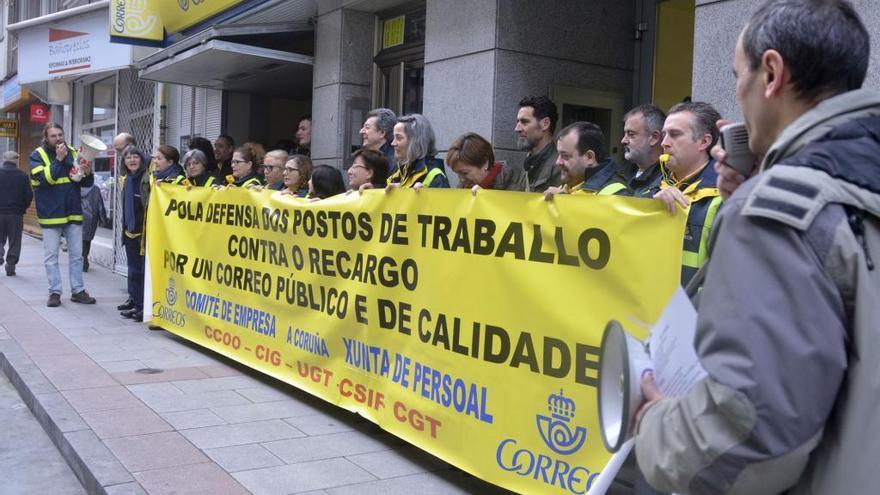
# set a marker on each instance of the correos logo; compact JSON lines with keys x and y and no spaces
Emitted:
{"x":562,"y":438}
{"x":168,"y":312}
{"x":184,"y":4}
{"x":132,"y":17}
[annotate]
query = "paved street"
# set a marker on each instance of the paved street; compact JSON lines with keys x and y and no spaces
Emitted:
{"x":29,"y":462}
{"x":201,"y":425}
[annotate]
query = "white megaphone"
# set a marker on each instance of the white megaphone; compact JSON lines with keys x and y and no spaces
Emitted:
{"x":623,"y":360}
{"x":90,"y":146}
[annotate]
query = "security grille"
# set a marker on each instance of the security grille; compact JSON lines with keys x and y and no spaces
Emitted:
{"x":136,"y":100}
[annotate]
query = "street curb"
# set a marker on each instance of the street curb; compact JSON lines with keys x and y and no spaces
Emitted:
{"x":45,"y":418}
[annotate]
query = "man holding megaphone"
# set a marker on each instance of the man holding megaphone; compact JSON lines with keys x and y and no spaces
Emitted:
{"x":57,"y":174}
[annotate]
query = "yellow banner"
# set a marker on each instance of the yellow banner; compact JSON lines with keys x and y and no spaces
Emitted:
{"x":180,"y":14}
{"x":468,"y":326}
{"x":149,"y":20}
{"x":136,"y":19}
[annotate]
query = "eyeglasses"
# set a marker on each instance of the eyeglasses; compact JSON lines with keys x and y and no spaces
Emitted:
{"x":288,"y":169}
{"x":238,"y":161}
{"x":358,"y":166}
{"x":269,"y":167}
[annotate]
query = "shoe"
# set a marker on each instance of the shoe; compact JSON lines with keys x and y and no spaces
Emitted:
{"x":129,"y":304}
{"x":83,"y":297}
{"x":130,"y":313}
{"x":137,"y":316}
{"x":10,"y":270}
{"x":54,"y":300}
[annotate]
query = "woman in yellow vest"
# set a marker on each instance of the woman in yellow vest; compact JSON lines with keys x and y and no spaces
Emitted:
{"x":414,"y":151}
{"x":245,"y":161}
{"x":196,"y":165}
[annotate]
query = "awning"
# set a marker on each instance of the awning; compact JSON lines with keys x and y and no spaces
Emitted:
{"x":12,"y":95}
{"x":239,"y":58}
{"x":68,"y":44}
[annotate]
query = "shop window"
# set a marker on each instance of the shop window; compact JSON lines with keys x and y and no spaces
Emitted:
{"x":101,"y":98}
{"x":401,"y":61}
{"x":99,"y":117}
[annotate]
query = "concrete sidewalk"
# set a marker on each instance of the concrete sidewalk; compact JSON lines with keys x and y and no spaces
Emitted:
{"x":202,"y":425}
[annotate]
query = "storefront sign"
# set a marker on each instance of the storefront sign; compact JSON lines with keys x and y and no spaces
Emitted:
{"x":150,"y":20}
{"x":8,"y":128}
{"x":74,"y":46}
{"x":392,"y":32}
{"x":137,"y":19}
{"x":39,"y":113}
{"x":468,"y":326}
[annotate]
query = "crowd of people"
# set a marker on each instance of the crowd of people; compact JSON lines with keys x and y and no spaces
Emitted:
{"x":788,"y":294}
{"x":667,"y":158}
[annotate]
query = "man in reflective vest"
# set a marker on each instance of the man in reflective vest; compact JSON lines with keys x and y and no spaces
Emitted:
{"x":584,"y":164}
{"x":57,"y":178}
{"x":689,"y":177}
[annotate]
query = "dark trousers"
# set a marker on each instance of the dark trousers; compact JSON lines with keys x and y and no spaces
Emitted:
{"x":135,"y":270}
{"x":87,"y":246}
{"x":11,"y":225}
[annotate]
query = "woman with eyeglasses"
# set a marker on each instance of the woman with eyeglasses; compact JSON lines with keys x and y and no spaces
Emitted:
{"x":273,"y":169}
{"x":297,"y":172}
{"x":195,"y":163}
{"x":245,"y":161}
{"x":368,"y":169}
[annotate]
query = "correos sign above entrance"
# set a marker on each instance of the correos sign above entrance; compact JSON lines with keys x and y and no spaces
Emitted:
{"x":75,"y":46}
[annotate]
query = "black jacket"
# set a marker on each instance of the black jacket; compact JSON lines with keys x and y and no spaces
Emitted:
{"x":15,"y":189}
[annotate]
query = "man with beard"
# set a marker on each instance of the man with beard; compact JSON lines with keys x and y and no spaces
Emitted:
{"x":642,"y":134}
{"x":535,"y":124}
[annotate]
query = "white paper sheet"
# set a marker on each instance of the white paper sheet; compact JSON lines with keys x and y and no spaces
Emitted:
{"x":671,"y":344}
{"x":676,"y":369}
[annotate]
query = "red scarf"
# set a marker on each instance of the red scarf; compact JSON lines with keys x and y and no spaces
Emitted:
{"x":489,"y":180}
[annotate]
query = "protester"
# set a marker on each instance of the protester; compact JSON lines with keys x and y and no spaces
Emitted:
{"x":471,"y":157}
{"x":378,"y":132}
{"x":166,"y":167}
{"x":690,"y":179}
{"x":788,"y":312}
{"x":133,"y":222}
{"x":223,"y":148}
{"x":584,"y":164}
{"x":414,"y":151}
{"x":304,"y":136}
{"x":203,"y":145}
{"x":195,"y":163}
{"x":297,"y":172}
{"x":326,"y":181}
{"x":15,"y":197}
{"x":122,"y":140}
{"x":642,"y":134}
{"x":57,"y":176}
{"x":94,"y":213}
{"x":244,"y":166}
{"x":368,"y":169}
{"x":535,"y":125}
{"x":273,"y":169}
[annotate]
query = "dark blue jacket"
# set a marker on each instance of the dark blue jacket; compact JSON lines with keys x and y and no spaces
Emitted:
{"x":57,"y":196}
{"x":15,"y":192}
